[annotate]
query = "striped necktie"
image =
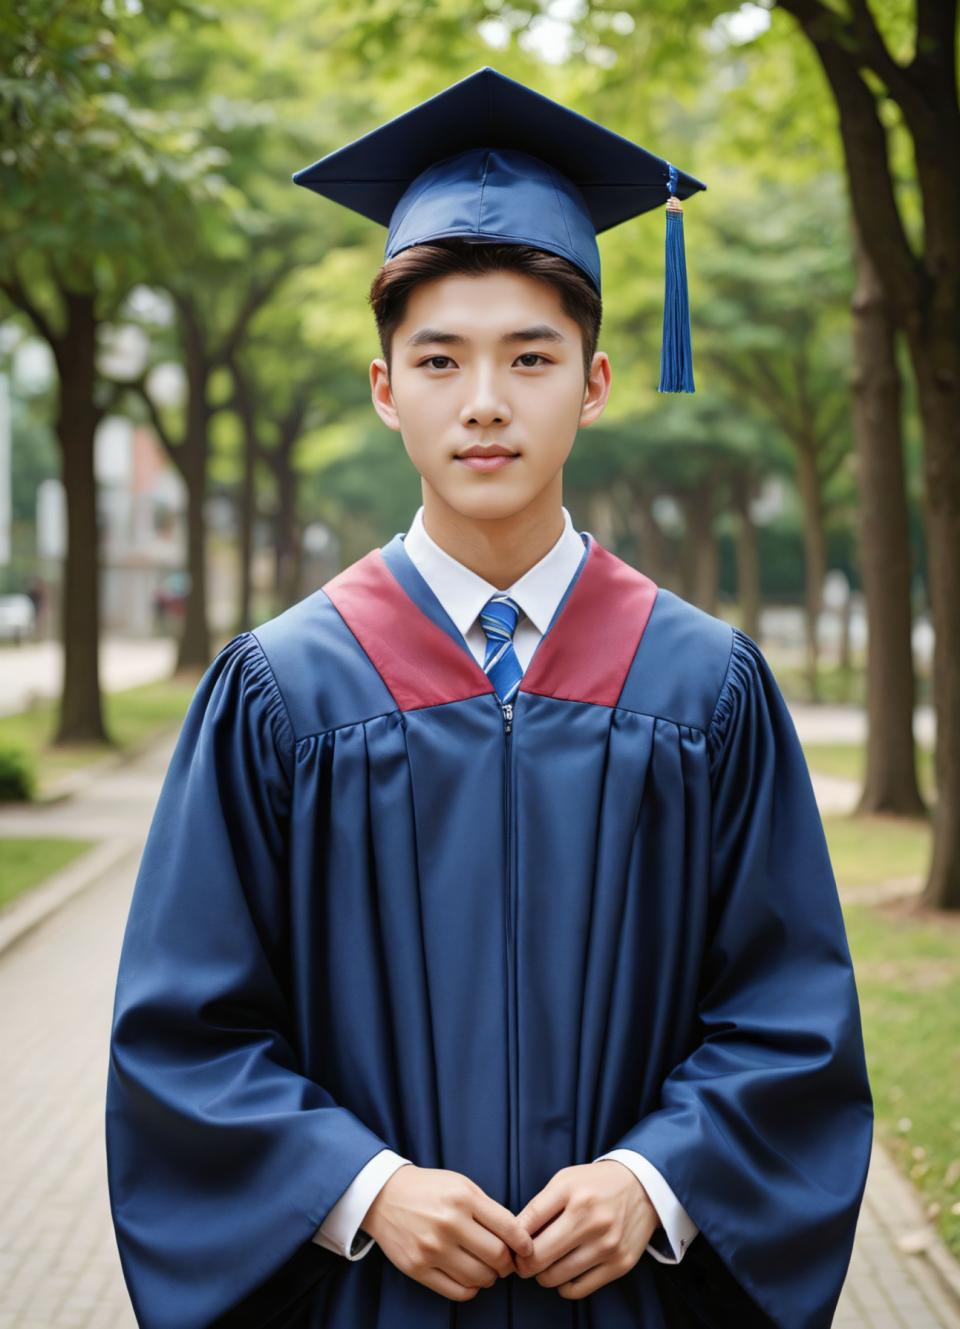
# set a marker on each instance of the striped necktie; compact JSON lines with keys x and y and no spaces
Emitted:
{"x":498,"y":618}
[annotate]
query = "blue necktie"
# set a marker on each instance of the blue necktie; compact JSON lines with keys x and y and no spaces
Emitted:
{"x":498,"y":618}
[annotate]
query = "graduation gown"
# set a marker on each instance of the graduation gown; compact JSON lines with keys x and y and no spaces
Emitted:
{"x":375,"y":909}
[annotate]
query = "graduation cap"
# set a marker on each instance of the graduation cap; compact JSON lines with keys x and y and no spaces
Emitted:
{"x":492,"y":161}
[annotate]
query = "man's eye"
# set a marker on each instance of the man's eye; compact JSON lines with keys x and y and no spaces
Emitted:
{"x":528,"y":355}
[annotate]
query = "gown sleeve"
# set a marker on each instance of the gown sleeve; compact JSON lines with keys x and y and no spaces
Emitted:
{"x":764,"y":1129}
{"x":222,"y":1158}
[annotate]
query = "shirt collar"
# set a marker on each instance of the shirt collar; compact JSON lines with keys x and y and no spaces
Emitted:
{"x":463,"y":593}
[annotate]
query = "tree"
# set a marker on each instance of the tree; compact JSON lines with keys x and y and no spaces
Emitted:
{"x":890,"y":783}
{"x":286,"y":427}
{"x":204,"y":348}
{"x":96,"y":178}
{"x":784,"y":352}
{"x":702,"y":455}
{"x":922,"y":283}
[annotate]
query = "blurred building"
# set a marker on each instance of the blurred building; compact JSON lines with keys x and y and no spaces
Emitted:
{"x":141,"y":507}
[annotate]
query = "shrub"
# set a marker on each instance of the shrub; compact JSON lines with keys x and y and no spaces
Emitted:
{"x":17,"y":775}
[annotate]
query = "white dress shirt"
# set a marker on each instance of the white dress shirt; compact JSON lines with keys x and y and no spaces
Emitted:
{"x":463,"y":594}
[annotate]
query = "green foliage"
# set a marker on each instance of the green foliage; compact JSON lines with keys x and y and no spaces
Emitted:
{"x":17,"y":774}
{"x":154,"y":148}
{"x":97,"y":171}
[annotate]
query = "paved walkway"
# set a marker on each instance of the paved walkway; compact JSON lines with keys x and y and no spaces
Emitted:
{"x":848,"y":724}
{"x":34,"y":670}
{"x":58,"y":1260}
{"x":58,"y":1257}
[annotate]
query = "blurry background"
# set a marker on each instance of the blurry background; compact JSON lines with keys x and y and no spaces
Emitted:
{"x":187,"y":446}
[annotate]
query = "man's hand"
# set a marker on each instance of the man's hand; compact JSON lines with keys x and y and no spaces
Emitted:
{"x":591,"y":1224}
{"x":444,"y":1231}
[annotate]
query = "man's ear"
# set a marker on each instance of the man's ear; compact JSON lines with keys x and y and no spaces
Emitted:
{"x":381,"y":393}
{"x":597,"y":389}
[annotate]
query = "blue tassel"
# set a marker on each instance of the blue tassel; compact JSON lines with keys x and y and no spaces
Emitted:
{"x":676,"y":355}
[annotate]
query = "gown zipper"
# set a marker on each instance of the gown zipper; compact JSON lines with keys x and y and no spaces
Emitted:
{"x":511,"y":955}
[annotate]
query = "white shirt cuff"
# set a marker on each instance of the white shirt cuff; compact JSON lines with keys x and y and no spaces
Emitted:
{"x":339,"y":1231}
{"x":678,"y":1226}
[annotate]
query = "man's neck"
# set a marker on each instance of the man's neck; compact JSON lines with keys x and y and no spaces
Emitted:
{"x":498,"y":549}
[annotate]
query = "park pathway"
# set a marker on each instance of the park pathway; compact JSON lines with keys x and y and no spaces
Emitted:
{"x":58,"y":1260}
{"x":34,"y":671}
{"x":58,"y":1257}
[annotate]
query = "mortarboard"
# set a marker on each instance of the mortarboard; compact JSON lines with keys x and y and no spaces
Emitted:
{"x":492,"y":161}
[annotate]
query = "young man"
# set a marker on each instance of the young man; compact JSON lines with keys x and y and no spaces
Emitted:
{"x":485,"y":940}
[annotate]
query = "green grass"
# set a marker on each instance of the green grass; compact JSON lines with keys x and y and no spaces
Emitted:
{"x":907,"y":966}
{"x":26,"y":863}
{"x":848,"y":760}
{"x":131,"y":716}
{"x":865,"y":850}
{"x":835,"y":684}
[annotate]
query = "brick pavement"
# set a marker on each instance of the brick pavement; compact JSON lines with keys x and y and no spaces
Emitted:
{"x":58,"y":1261}
{"x":59,"y":1267}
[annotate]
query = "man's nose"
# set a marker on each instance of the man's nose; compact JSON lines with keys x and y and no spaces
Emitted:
{"x":485,"y":402}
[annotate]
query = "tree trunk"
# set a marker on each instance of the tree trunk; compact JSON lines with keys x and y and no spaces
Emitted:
{"x":701,"y":556}
{"x":81,"y":714}
{"x":748,"y":558}
{"x":933,"y":335}
{"x":844,"y":656}
{"x":815,"y":559}
{"x":654,"y":545}
{"x":938,"y":390}
{"x":288,"y":534}
{"x":194,"y":649}
{"x":246,"y":516}
{"x":924,"y":293}
{"x":890,"y":782}
{"x":297,"y":572}
{"x":603,"y":518}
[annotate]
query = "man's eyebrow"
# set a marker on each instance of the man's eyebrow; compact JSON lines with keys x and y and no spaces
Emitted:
{"x":539,"y":332}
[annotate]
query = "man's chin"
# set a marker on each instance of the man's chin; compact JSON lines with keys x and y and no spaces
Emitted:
{"x":484,"y":498}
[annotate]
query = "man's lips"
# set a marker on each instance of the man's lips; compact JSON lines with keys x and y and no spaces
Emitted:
{"x":486,"y":461}
{"x":492,"y":463}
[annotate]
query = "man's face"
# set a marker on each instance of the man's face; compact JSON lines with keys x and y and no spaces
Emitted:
{"x":486,"y":360}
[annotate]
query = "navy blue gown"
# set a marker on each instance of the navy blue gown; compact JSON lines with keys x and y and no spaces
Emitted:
{"x":373,"y":912}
